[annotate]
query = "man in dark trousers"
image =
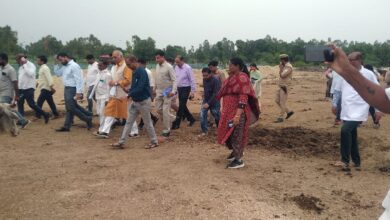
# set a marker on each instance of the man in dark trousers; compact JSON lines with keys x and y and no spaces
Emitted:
{"x":211,"y":87}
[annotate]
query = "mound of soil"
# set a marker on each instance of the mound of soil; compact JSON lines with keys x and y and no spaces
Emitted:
{"x":309,"y":203}
{"x":296,"y":140}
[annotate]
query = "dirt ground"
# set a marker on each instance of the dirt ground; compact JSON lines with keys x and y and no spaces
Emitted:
{"x":49,"y":175}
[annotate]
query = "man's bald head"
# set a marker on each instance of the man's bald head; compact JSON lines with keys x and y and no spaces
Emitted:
{"x":356,"y":59}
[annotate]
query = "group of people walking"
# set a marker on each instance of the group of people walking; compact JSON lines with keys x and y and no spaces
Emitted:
{"x":122,"y":88}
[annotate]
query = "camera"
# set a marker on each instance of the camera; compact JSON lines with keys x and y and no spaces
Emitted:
{"x":318,"y":54}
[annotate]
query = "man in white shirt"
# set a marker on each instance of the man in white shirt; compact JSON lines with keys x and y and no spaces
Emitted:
{"x":27,"y":83}
{"x":335,"y":90}
{"x":371,"y":92}
{"x":101,"y":91}
{"x":91,"y":78}
{"x":354,"y":110}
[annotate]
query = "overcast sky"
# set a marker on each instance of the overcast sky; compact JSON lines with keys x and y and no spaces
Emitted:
{"x":189,"y":22}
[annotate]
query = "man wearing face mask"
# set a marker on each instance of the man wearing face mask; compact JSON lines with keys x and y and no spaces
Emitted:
{"x":71,"y":75}
{"x":27,"y":83}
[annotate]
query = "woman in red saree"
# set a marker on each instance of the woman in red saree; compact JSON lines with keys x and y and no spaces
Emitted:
{"x":240,"y":108}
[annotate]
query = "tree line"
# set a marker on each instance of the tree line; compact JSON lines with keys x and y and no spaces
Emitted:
{"x":263,"y":51}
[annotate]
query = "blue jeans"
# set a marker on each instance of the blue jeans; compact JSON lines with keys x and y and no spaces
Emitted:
{"x":8,"y":100}
{"x":214,"y":110}
{"x":72,"y":108}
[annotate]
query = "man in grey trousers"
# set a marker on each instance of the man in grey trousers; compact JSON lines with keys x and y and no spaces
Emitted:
{"x":141,"y":103}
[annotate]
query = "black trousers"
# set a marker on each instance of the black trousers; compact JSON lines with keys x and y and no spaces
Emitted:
{"x":28,"y":95}
{"x":47,"y":96}
{"x":183,"y":112}
{"x":73,"y":108}
{"x":372,"y":113}
{"x":349,"y":142}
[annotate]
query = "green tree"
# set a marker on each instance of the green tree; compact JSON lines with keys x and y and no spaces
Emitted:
{"x":48,"y":45}
{"x":9,"y":40}
{"x":80,"y":47}
{"x":143,"y":48}
{"x":173,"y":51}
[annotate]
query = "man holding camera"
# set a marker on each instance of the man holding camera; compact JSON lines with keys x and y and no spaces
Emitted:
{"x":285,"y":76}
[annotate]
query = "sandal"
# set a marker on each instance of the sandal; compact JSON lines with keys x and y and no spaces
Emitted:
{"x":151,"y":145}
{"x":342,"y":165}
{"x":117,"y":145}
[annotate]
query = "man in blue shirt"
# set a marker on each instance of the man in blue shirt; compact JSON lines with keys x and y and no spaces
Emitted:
{"x":141,"y":103}
{"x":71,"y":74}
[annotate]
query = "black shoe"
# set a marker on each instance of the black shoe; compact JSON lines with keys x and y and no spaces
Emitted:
{"x":175,"y":124}
{"x":46,"y":117}
{"x":279,"y":120}
{"x":289,"y":114}
{"x":89,"y":124}
{"x":235,"y":164}
{"x":230,"y":157}
{"x":166,"y":134}
{"x":191,"y":123}
{"x":62,"y":129}
{"x":175,"y":127}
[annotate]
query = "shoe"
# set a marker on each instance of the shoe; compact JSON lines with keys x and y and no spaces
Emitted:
{"x":230,"y":157}
{"x":343,"y":166}
{"x":117,"y":146}
{"x":376,"y":126}
{"x":175,"y":125}
{"x":235,"y":164}
{"x":279,"y":120}
{"x":357,"y":167}
{"x":89,"y":124}
{"x":62,"y":129}
{"x":103,"y":135}
{"x":24,"y":125}
{"x":289,"y":114}
{"x":166,"y":134}
{"x":203,"y":134}
{"x":46,"y":117}
{"x":133,"y":135}
{"x":191,"y":123}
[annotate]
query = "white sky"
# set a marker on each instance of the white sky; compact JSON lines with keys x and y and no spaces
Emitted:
{"x":190,"y":22}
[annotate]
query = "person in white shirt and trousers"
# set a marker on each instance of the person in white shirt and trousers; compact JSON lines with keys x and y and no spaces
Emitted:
{"x":90,"y":80}
{"x":101,"y":92}
{"x":27,"y":83}
{"x":354,"y":110}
